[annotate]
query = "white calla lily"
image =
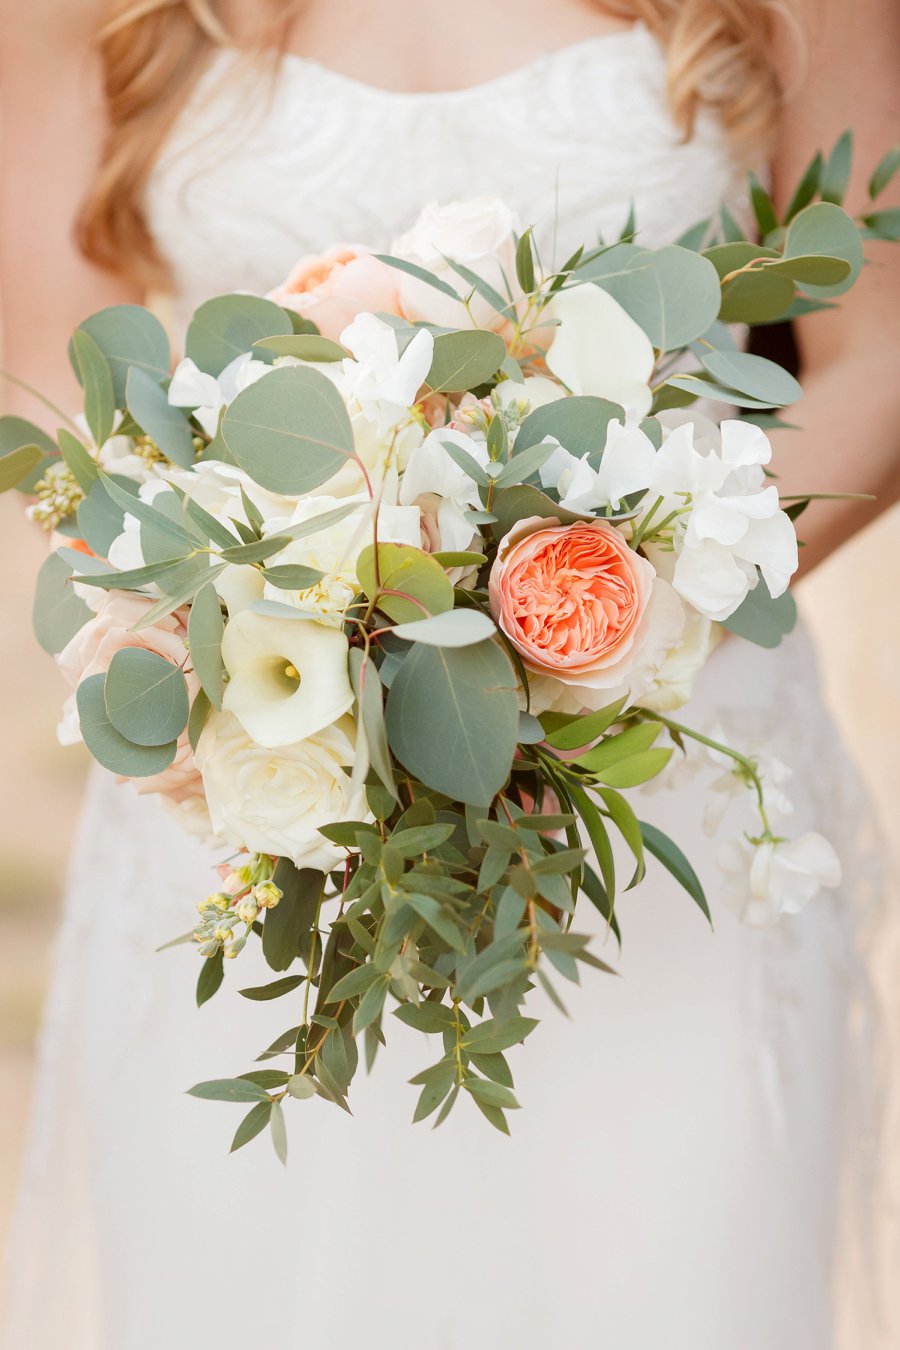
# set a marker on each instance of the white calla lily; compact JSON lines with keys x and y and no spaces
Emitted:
{"x":288,"y":677}
{"x":599,"y":349}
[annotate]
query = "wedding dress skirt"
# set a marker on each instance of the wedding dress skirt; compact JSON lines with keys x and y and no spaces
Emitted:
{"x":676,"y":1175}
{"x":673,"y":1178}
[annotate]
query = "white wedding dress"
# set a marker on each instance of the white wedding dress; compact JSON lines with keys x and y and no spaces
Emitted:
{"x":676,"y":1176}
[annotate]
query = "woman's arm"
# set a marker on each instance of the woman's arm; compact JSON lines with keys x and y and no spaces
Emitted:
{"x":51,"y":123}
{"x":849,"y":76}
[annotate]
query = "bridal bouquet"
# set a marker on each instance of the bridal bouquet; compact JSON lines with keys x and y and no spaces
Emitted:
{"x":392,"y":588}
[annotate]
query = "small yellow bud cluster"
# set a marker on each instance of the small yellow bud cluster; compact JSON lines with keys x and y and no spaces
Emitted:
{"x":145,"y":448}
{"x":58,"y":496}
{"x":246,"y":891}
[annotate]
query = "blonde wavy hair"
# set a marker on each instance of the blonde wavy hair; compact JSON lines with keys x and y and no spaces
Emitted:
{"x":153,"y":51}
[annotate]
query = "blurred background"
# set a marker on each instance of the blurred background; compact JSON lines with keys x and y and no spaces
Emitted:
{"x":850,"y":603}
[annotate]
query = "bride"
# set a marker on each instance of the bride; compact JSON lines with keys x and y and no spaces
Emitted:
{"x":694,"y":1194}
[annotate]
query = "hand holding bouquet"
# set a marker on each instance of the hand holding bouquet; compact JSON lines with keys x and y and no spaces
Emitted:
{"x":393,"y":587}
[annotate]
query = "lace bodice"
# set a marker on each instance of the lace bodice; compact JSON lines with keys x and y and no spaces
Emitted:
{"x":252,"y":178}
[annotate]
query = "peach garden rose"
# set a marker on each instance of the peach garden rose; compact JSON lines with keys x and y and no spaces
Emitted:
{"x":573,"y":600}
{"x":331,"y":288}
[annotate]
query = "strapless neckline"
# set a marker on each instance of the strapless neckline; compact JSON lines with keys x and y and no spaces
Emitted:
{"x":600,"y":45}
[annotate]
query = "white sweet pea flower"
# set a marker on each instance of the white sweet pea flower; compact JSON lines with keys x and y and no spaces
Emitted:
{"x":730,"y":522}
{"x":599,"y":349}
{"x":627,"y":466}
{"x":431,"y":472}
{"x":206,"y":395}
{"x":773,"y":877}
{"x":379,"y":379}
{"x":288,"y":677}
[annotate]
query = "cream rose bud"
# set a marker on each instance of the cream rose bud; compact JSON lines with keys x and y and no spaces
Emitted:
{"x":331,"y":288}
{"x":288,"y":678}
{"x":275,"y":800}
{"x":673,"y":683}
{"x":480,"y":234}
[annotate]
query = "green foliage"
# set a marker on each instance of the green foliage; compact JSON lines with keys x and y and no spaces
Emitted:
{"x":230,"y":325}
{"x":108,"y":746}
{"x":290,"y":430}
{"x":148,"y":404}
{"x":464,"y":359}
{"x":58,"y":613}
{"x":452,"y":719}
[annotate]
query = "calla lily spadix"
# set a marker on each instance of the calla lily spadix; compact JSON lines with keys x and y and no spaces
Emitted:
{"x":288,"y":677}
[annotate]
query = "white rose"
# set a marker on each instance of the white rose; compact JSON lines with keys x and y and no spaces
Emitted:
{"x":599,"y":349}
{"x":335,"y":551}
{"x":764,"y":881}
{"x":274,"y":801}
{"x":480,"y":234}
{"x":288,"y":677}
{"x":673,"y":683}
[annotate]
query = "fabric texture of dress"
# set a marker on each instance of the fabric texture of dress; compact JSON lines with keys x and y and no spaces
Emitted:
{"x":675,"y":1177}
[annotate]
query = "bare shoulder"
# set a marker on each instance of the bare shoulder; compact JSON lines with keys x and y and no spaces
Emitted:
{"x":45,"y":26}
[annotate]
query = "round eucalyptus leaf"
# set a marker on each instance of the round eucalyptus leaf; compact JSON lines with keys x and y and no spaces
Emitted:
{"x":17,"y":465}
{"x":305,"y":347}
{"x":453,"y":720}
{"x":290,"y":430}
{"x":456,"y":628}
{"x":129,"y":335}
{"x":762,"y":295}
{"x":464,"y":360}
{"x":579,"y":424}
{"x":762,"y":620}
{"x":753,"y":375}
{"x":824,"y":228}
{"x":229,"y":325}
{"x":111,"y":749}
{"x":100,"y":519}
{"x":672,"y":293}
{"x":16,"y":432}
{"x":58,"y":612}
{"x":146,"y":697}
{"x":409,"y":584}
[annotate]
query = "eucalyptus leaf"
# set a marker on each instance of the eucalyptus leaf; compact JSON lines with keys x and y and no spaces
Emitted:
{"x":108,"y":746}
{"x":762,"y":620}
{"x":17,"y":465}
{"x":753,"y":375}
{"x":407,"y":583}
{"x":100,"y":519}
{"x":824,"y":228}
{"x":228,"y":326}
{"x":129,"y":336}
{"x":205,"y":629}
{"x":452,"y":719}
{"x":370,"y":699}
{"x":672,"y":293}
{"x":81,"y":465}
{"x":146,"y":697}
{"x":464,"y":359}
{"x":666,"y":851}
{"x":290,"y":430}
{"x":455,"y":628}
{"x":148,"y":404}
{"x":96,"y":380}
{"x":579,"y":424}
{"x":58,"y":613}
{"x":229,"y":1090}
{"x":18,"y":431}
{"x":305,"y":347}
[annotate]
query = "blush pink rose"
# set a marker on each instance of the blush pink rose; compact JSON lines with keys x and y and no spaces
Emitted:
{"x":572,"y":600}
{"x":93,"y":648}
{"x":332,"y":288}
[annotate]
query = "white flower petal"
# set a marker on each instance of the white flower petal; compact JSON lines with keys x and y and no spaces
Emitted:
{"x":599,"y":349}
